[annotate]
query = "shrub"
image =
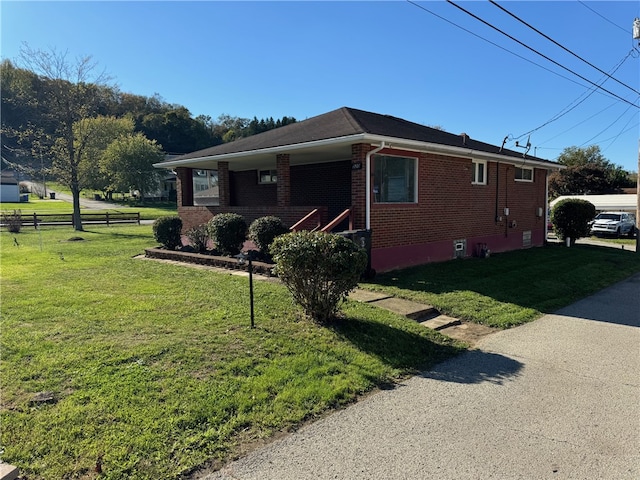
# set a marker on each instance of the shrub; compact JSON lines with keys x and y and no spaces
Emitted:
{"x":198,"y":238}
{"x":571,"y":217}
{"x":13,"y":221}
{"x":228,"y":231}
{"x":167,"y":231}
{"x":319,"y":269}
{"x":264,"y":230}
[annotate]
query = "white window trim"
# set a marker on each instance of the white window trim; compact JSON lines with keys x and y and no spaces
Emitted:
{"x":525,"y":179}
{"x":474,"y":165}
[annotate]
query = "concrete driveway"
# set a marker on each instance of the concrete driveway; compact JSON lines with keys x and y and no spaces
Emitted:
{"x":558,"y":398}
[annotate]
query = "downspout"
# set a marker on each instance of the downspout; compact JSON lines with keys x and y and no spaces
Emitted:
{"x":368,"y":184}
{"x":497,"y":191}
{"x":546,"y":206}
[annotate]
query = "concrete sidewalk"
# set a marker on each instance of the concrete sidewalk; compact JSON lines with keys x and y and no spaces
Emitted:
{"x":555,"y":398}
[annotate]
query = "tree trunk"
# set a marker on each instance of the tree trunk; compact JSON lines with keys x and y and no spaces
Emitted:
{"x":77,"y":219}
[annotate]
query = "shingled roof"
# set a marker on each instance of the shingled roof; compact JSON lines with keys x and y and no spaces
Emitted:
{"x":348,"y":122}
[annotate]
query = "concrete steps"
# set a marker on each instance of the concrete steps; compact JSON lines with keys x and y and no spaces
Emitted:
{"x":426,"y":315}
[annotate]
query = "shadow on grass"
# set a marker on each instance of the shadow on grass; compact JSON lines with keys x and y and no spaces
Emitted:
{"x":395,"y":347}
{"x":544,"y":279}
{"x":414,"y":353}
{"x":476,"y":366}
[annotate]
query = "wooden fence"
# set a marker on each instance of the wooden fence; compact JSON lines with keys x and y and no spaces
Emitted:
{"x":55,"y":219}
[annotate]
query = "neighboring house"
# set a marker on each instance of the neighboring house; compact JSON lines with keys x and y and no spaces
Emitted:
{"x":426,"y":195}
{"x":608,"y":202}
{"x":9,"y":188}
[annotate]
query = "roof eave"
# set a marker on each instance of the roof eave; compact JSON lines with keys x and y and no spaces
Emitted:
{"x":367,"y":138}
{"x":269,"y":150}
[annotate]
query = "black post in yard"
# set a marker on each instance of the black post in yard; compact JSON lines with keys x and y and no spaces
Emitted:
{"x":242,"y":258}
{"x":251,"y":289}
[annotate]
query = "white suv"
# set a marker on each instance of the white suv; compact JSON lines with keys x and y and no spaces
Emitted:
{"x":614,"y":223}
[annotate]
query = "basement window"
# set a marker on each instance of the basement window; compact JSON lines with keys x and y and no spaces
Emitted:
{"x":524,"y":174}
{"x":267,"y":176}
{"x":395,"y":179}
{"x":479,"y":172}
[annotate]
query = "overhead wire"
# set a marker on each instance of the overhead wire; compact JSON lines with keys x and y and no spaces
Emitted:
{"x":623,"y":131}
{"x":560,"y":45}
{"x":566,"y":109}
{"x":606,"y":128}
{"x":540,"y":54}
{"x":421,"y":7}
{"x":603,"y":17}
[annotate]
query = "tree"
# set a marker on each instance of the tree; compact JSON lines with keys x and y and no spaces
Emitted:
{"x":587,"y":172}
{"x":92,"y":136}
{"x":130,"y":160}
{"x":571,"y":217}
{"x":68,"y":91}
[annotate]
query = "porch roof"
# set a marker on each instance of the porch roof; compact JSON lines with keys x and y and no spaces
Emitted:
{"x":328,"y":137}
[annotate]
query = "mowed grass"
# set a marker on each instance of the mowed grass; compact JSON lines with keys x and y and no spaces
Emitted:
{"x":511,"y":288}
{"x":153,"y":367}
{"x":48,"y":206}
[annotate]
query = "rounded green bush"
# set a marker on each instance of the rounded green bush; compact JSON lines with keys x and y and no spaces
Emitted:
{"x":319,"y":269}
{"x":264,"y":230}
{"x":228,"y":231}
{"x":571,"y":217}
{"x":167,"y":231}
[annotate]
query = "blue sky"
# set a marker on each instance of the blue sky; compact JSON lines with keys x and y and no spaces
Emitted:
{"x":301,"y":59}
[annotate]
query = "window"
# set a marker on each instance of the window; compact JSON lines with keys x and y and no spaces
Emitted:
{"x":205,"y":187}
{"x":479,"y":172}
{"x":394,"y":179}
{"x":267,"y":176}
{"x":524,"y":174}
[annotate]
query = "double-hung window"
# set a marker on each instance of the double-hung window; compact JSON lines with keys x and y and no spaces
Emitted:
{"x":524,"y":174}
{"x":478,"y":172}
{"x":395,"y":179}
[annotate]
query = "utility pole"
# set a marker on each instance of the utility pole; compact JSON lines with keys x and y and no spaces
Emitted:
{"x":636,"y":37}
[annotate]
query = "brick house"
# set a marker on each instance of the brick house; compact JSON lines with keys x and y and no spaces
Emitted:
{"x":426,"y":195}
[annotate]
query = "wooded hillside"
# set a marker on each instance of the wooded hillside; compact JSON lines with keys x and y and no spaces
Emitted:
{"x":27,"y":125}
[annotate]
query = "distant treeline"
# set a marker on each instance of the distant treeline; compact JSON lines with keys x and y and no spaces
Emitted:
{"x":171,"y":125}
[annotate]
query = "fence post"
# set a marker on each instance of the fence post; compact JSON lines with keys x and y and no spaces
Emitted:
{"x":107,"y":218}
{"x":138,"y":218}
{"x":35,"y":221}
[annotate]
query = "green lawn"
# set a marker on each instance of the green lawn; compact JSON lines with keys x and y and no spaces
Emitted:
{"x":48,"y":206}
{"x":153,"y":366}
{"x":511,"y":288}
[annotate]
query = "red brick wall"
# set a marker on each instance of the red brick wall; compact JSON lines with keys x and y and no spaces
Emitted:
{"x":184,"y":186}
{"x":449,"y":207}
{"x":283,"y":187}
{"x":194,"y":216}
{"x":358,"y":183}
{"x":246,"y":191}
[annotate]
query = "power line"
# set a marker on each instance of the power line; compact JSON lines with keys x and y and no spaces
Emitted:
{"x":607,"y":127}
{"x":566,"y":109}
{"x":541,"y":54}
{"x":578,"y":124}
{"x":561,"y":46}
{"x":624,"y":130}
{"x":603,"y":17}
{"x":493,"y":43}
